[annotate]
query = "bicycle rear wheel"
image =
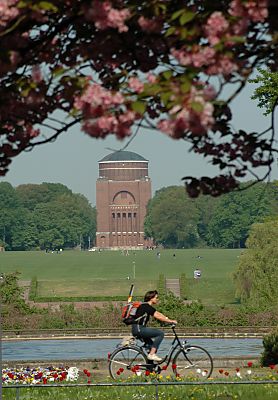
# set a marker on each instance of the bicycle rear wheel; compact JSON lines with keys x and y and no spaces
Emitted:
{"x":193,"y":361}
{"x":127,"y":361}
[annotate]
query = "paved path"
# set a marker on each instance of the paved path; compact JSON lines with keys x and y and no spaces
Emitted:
{"x":174,"y":286}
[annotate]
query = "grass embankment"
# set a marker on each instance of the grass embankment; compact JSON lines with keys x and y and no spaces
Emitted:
{"x":74,"y":273}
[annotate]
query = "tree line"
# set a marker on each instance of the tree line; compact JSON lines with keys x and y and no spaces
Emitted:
{"x":177,"y":221}
{"x":44,"y":216}
{"x":49,"y":215}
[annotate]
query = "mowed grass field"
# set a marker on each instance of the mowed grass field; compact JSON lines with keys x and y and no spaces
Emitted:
{"x":83,"y":273}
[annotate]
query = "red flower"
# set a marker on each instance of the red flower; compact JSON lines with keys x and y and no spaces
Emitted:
{"x":89,"y":381}
{"x":108,"y":356}
{"x":44,"y":381}
{"x":121,"y":370}
{"x":164,"y":367}
{"x":237,"y":369}
{"x":85,"y":371}
{"x":226,"y":373}
{"x":221,"y":371}
{"x":147,"y":373}
{"x":177,"y":375}
{"x":118,"y":373}
{"x":249,"y":364}
{"x":174,"y":366}
{"x":272,"y":366}
{"x":88,"y":374}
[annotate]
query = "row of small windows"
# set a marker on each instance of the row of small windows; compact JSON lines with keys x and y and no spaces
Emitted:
{"x":125,"y":174}
{"x":129,"y":215}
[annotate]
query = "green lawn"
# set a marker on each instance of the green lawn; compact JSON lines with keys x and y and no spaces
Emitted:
{"x":219,"y":392}
{"x":74,"y":273}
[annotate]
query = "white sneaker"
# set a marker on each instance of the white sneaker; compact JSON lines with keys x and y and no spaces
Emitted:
{"x":154,"y":357}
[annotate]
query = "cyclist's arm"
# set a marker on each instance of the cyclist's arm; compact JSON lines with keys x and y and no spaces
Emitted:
{"x":163,"y":318}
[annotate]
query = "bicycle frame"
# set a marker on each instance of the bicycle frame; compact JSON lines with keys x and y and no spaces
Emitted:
{"x":171,"y":350}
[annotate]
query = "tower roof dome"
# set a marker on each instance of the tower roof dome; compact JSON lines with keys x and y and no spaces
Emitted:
{"x":122,"y":155}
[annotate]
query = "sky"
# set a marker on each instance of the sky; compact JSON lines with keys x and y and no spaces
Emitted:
{"x":73,"y":158}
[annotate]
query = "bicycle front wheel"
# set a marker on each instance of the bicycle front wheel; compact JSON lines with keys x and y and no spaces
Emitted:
{"x":193,"y":361}
{"x":127,"y":361}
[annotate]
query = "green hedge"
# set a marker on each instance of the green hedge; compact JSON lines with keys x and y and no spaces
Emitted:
{"x":45,"y":299}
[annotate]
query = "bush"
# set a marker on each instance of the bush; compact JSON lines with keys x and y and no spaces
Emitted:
{"x":270,"y":353}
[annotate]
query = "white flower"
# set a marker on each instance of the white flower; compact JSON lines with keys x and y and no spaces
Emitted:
{"x":73,"y":374}
{"x":249,"y":372}
{"x":238,"y":375}
{"x":198,"y":371}
{"x":204,"y":373}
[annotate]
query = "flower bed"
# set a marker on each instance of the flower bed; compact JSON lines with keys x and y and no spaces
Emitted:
{"x":35,"y":378}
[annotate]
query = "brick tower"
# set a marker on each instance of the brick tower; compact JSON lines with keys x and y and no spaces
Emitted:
{"x":123,"y":190}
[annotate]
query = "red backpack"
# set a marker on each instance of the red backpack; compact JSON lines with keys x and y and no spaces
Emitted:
{"x":129,"y":312}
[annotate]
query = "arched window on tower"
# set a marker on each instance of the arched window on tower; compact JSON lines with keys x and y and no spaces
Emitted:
{"x":123,"y":198}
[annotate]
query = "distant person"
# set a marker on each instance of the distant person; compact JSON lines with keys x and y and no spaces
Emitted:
{"x":158,"y":255}
{"x":174,"y":255}
{"x":197,"y":273}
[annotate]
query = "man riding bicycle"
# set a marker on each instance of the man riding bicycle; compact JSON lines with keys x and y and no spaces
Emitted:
{"x":151,"y":336}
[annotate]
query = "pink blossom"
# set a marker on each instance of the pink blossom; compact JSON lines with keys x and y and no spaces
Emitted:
{"x":123,"y":131}
{"x":216,"y":26}
{"x":31,"y":132}
{"x":255,"y":10}
{"x":105,"y":16}
{"x":184,"y":57}
{"x":186,"y":118}
{"x":241,"y":26}
{"x":7,"y":11}
{"x":93,"y":130}
{"x":128,"y":117}
{"x":14,"y":57}
{"x":107,"y":123}
{"x":95,"y":95}
{"x":150,"y":25}
{"x":165,"y":125}
{"x":209,"y":92}
{"x":136,"y":85}
{"x":36,"y":74}
{"x":151,"y":78}
{"x":104,"y":112}
{"x":198,"y":57}
{"x":203,"y":56}
{"x":227,"y":66}
{"x":223,"y":65}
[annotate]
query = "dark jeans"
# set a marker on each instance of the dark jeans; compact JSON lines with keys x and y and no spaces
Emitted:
{"x":151,"y":336}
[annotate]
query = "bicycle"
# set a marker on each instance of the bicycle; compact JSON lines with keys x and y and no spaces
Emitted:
{"x":129,"y":360}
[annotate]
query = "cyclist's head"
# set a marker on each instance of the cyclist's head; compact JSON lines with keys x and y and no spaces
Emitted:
{"x":150,"y":295}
